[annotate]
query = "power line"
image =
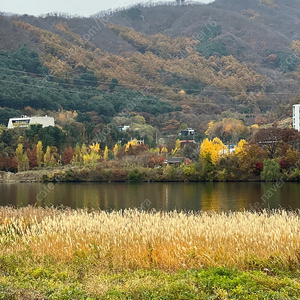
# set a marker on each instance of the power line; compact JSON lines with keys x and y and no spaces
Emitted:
{"x":87,"y":93}
{"x":47,"y":87}
{"x":145,"y":86}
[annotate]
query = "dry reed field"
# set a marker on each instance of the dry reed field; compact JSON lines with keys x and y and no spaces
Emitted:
{"x":132,"y":239}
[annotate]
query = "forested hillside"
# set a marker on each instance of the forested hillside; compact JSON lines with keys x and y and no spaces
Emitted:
{"x":168,"y":64}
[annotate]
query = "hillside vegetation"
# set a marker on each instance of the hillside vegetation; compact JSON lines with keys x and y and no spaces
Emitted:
{"x":172,"y":65}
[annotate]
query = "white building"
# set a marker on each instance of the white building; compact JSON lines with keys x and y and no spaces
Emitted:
{"x":25,"y":121}
{"x":123,"y":128}
{"x":296,"y":117}
{"x":188,"y":131}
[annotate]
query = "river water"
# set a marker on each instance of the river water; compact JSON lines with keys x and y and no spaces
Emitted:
{"x":160,"y":196}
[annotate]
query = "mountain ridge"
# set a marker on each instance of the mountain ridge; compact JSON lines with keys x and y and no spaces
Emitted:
{"x":224,"y":55}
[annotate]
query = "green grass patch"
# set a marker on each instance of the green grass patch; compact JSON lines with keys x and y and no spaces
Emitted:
{"x":24,"y":277}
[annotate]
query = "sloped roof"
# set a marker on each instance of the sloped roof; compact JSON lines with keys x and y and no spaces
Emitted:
{"x":174,"y":160}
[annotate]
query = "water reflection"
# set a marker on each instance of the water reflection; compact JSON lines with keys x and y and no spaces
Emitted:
{"x":161,"y":196}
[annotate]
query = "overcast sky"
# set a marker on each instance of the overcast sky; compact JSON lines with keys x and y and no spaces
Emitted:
{"x":80,"y":7}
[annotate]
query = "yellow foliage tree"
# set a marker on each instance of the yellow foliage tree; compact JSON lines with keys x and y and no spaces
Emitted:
{"x":105,"y":156}
{"x":295,"y":46}
{"x":23,"y":163}
{"x":132,"y":144}
{"x":177,"y":147}
{"x":47,"y":157}
{"x":225,"y":128}
{"x":91,"y":159}
{"x":77,"y":155}
{"x":213,"y":147}
{"x":164,"y":150}
{"x":210,"y":125}
{"x":83,"y":151}
{"x":39,"y":153}
{"x":95,"y":147}
{"x":240,"y":147}
{"x":116,"y":150}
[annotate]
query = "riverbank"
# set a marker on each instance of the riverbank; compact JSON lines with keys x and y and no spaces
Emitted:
{"x":105,"y":173}
{"x":29,"y":176}
{"x":47,"y":253}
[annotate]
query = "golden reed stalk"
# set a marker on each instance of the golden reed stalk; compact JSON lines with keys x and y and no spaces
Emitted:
{"x":166,"y":240}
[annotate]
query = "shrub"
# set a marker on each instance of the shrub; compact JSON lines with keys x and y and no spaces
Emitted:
{"x":221,"y":175}
{"x":194,"y":172}
{"x":283,"y":164}
{"x":70,"y":175}
{"x":258,"y":168}
{"x":134,"y":175}
{"x":271,"y":171}
{"x":295,"y":175}
{"x":120,"y":175}
{"x":107,"y":175}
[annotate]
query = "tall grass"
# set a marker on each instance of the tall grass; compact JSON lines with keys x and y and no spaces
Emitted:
{"x":133,"y":239}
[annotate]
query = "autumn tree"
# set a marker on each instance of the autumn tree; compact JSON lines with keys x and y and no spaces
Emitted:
{"x":91,"y":158}
{"x":47,"y":157}
{"x":32,"y":158}
{"x":272,"y":139}
{"x":14,"y":164}
{"x":68,"y":155}
{"x":177,"y":147}
{"x":214,"y":148}
{"x":77,"y":155}
{"x":22,"y":159}
{"x":131,"y":144}
{"x":39,"y":153}
{"x":227,"y":129}
{"x":19,"y":154}
{"x":249,"y":154}
{"x":25,"y":162}
{"x":164,"y":152}
{"x":291,"y":158}
{"x":83,"y":151}
{"x":105,"y":155}
{"x":137,"y":149}
{"x":239,"y":149}
{"x":116,"y":150}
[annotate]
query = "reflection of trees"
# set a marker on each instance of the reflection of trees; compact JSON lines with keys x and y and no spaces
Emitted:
{"x":163,"y":196}
{"x":271,"y":194}
{"x":190,"y":193}
{"x":21,"y":195}
{"x":290,"y":195}
{"x":244,"y":194}
{"x":87,"y":196}
{"x":211,"y":199}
